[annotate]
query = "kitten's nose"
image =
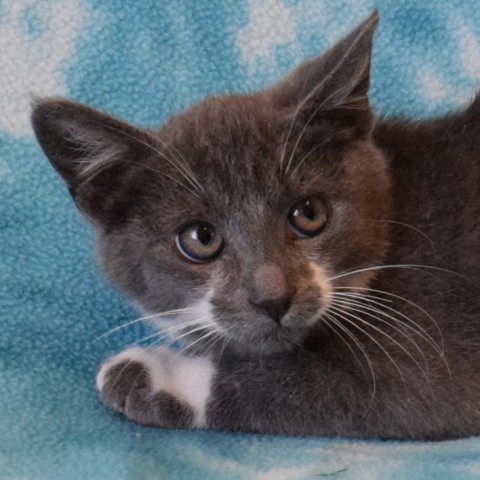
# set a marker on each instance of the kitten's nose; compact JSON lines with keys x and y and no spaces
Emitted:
{"x":275,"y":308}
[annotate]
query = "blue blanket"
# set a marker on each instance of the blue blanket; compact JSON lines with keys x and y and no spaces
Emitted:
{"x":143,"y":60}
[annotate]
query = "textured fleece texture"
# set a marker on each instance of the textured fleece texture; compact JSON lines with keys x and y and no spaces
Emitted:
{"x":143,"y":60}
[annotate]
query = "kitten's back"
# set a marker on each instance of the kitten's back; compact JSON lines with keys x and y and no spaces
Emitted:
{"x":435,"y":165}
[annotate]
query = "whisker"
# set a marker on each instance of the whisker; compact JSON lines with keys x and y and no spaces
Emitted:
{"x":364,"y":310}
{"x":211,"y":344}
{"x":284,"y":151}
{"x":202,"y":325}
{"x":179,"y":326}
{"x":227,"y":337}
{"x":423,"y":234}
{"x":339,"y":325}
{"x":366,"y":302}
{"x":342,"y":314}
{"x":326,"y":140}
{"x":141,"y":319}
{"x":292,"y":123}
{"x":200,"y":339}
{"x":421,"y":331}
{"x":398,"y":297}
{"x":379,"y":330}
{"x":167,"y":312}
{"x":144,"y":339}
{"x":181,"y":168}
{"x":172,"y":163}
{"x":312,"y":116}
{"x":181,"y":161}
{"x":168,"y":338}
{"x":163,"y":338}
{"x":300,"y":137}
{"x":406,"y":266}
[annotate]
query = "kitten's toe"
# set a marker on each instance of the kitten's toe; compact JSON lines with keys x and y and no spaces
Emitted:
{"x":117,"y":381}
{"x":152,"y":387}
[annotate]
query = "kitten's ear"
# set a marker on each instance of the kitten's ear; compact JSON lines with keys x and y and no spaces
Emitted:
{"x":80,"y":141}
{"x":91,"y":151}
{"x":334,"y":83}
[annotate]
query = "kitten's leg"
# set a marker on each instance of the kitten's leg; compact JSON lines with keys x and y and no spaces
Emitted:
{"x":287,"y":394}
{"x":304,"y":393}
{"x":157,"y":386}
{"x":299,"y":393}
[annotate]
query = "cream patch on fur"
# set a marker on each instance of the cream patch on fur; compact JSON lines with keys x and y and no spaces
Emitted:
{"x":321,"y":279}
{"x":188,"y":379}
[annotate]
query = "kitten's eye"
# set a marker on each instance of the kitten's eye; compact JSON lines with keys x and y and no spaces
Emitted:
{"x":199,"y":242}
{"x":308,"y":216}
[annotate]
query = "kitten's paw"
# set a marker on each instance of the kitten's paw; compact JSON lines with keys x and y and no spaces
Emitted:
{"x":157,"y":387}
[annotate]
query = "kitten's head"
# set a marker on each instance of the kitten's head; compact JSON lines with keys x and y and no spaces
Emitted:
{"x":241,"y":210}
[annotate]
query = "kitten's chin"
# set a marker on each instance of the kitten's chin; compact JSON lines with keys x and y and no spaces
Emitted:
{"x":261,"y":343}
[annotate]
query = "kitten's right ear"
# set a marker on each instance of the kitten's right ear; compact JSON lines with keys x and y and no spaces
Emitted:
{"x":94,"y":153}
{"x":81,"y":142}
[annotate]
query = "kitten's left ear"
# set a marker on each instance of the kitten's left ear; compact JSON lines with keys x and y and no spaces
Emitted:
{"x":334,"y":84}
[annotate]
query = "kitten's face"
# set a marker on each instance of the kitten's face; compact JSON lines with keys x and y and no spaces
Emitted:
{"x":244,"y":193}
{"x":241,"y":210}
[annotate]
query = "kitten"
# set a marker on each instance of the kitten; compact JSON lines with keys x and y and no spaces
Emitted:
{"x":322,"y":268}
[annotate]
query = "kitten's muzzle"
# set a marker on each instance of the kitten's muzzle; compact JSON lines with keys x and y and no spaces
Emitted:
{"x":275,"y":308}
{"x":269,"y":291}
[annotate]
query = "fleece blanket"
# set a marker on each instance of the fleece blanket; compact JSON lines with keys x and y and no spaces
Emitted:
{"x":143,"y":60}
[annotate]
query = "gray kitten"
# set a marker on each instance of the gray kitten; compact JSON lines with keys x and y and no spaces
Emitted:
{"x":286,"y":236}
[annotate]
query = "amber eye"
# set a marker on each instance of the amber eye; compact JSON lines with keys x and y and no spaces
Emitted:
{"x":308,"y":216}
{"x":199,"y":242}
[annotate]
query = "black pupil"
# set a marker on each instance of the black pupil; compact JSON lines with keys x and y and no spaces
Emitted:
{"x":309,"y":211}
{"x":203,"y":234}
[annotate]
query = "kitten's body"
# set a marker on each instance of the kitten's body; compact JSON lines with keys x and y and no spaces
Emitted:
{"x":435,"y":168}
{"x":376,"y":312}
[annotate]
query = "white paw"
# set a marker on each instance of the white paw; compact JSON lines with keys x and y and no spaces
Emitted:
{"x":188,"y":379}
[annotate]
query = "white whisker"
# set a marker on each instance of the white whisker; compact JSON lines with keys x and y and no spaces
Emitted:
{"x":177,"y":166}
{"x":421,"y":331}
{"x":312,"y":116}
{"x":187,"y":171}
{"x":423,"y":234}
{"x":330,"y":320}
{"x":144,"y":339}
{"x":200,"y":339}
{"x":292,"y":123}
{"x":398,"y":297}
{"x":315,"y":148}
{"x":209,"y":346}
{"x":180,"y":326}
{"x":342,"y":314}
{"x":406,"y":266}
{"x":138,"y":320}
{"x":369,"y":312}
{"x":379,"y":330}
{"x":202,"y":324}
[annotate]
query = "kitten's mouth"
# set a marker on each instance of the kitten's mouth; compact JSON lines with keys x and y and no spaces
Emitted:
{"x":268,"y":337}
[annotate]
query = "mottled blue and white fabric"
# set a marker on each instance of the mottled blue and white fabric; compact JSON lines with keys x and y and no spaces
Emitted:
{"x":143,"y":60}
